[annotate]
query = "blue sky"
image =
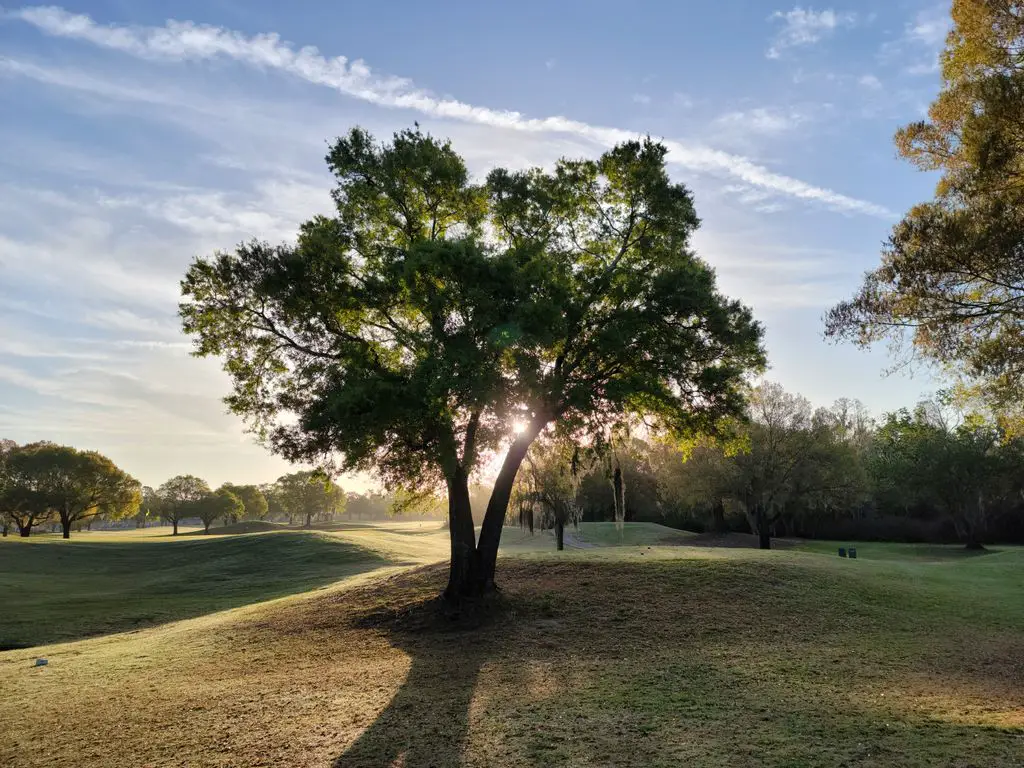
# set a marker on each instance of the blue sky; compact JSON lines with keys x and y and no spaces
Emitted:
{"x":137,"y":135}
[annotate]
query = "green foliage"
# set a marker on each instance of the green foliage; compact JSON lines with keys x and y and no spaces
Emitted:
{"x":44,"y":479}
{"x":952,"y":275}
{"x":797,"y":466}
{"x":222,"y":505}
{"x":179,"y":496}
{"x":966,"y":471}
{"x":253,"y":500}
{"x":546,"y":492}
{"x":310,"y":495}
{"x":409,"y":333}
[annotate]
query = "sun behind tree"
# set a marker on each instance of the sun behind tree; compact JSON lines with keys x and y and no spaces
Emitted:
{"x":408,"y":334}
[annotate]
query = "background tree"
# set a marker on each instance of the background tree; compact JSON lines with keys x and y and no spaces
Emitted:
{"x":77,"y":485}
{"x":178,"y":497}
{"x":149,"y":507}
{"x":7,"y":447}
{"x":951,"y":279}
{"x":955,"y":470}
{"x":275,"y":509}
{"x":221,"y":505}
{"x":24,"y":500}
{"x":545,"y":494}
{"x":253,"y":500}
{"x":367,"y":506}
{"x":406,"y":343}
{"x":310,"y":495}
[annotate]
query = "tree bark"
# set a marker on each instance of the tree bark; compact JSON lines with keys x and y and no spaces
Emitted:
{"x":175,"y":524}
{"x":497,"y":505}
{"x":718,"y":524}
{"x":559,"y":535}
{"x":309,"y":521}
{"x":25,"y":530}
{"x":65,"y":526}
{"x":463,"y":571}
{"x":764,"y":539}
{"x":206,"y":527}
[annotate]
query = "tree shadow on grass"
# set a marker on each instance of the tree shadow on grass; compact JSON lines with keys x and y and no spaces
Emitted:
{"x":427,"y":721}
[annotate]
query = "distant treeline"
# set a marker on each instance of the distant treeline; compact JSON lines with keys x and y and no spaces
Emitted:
{"x":935,"y":473}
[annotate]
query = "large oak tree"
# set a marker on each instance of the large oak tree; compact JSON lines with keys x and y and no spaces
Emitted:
{"x":951,"y":280}
{"x":409,"y":333}
{"x":177,"y":499}
{"x":75,"y":485}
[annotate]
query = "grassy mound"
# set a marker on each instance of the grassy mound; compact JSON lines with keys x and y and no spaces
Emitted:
{"x":57,"y":590}
{"x":607,"y":656}
{"x":246,"y":526}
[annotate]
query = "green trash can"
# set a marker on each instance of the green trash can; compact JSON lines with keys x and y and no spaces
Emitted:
{"x":842,"y":551}
{"x":853,"y":552}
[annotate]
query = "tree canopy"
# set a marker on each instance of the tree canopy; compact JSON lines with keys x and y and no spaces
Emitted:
{"x":221,"y":505}
{"x":411,"y":332}
{"x":951,"y":281}
{"x":254,"y":501}
{"x":310,"y":495}
{"x":46,"y":479}
{"x":178,"y":498}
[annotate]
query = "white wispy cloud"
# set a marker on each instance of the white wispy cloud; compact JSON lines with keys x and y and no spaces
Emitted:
{"x":186,"y":41}
{"x":762,"y":120}
{"x":870,"y":82}
{"x":805,"y":26}
{"x":930,"y":26}
{"x":642,"y":98}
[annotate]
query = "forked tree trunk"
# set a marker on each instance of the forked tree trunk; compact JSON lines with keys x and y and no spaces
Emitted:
{"x":463,"y":572}
{"x":24,"y":530}
{"x":497,"y":506}
{"x":559,"y":535}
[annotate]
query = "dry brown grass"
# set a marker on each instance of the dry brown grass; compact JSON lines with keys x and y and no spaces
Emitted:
{"x":740,"y":660}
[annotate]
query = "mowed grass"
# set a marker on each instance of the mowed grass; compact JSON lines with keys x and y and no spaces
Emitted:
{"x":53,"y":590}
{"x":611,"y":656}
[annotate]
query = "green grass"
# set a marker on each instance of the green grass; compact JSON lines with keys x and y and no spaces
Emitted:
{"x":55,"y":590}
{"x":649,"y":654}
{"x":873,"y":550}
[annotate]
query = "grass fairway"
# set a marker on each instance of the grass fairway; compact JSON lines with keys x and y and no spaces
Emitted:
{"x":55,"y":590}
{"x":609,"y":656}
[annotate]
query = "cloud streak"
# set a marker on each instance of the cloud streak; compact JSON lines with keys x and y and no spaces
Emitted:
{"x":802,"y":26}
{"x":178,"y":41}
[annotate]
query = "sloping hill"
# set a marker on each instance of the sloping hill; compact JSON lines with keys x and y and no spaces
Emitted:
{"x":607,"y":656}
{"x":56,"y":590}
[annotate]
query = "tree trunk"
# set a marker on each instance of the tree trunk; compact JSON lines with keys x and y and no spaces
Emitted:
{"x":6,"y":528}
{"x":65,"y":525}
{"x":309,"y":520}
{"x":206,"y":527}
{"x":718,"y":524}
{"x":175,"y":524}
{"x":764,"y":539}
{"x":25,"y":530}
{"x":497,"y":505}
{"x":463,"y":572}
{"x":559,"y":535}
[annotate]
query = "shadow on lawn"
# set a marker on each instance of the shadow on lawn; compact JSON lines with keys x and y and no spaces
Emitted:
{"x":427,"y":721}
{"x":668,"y":681}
